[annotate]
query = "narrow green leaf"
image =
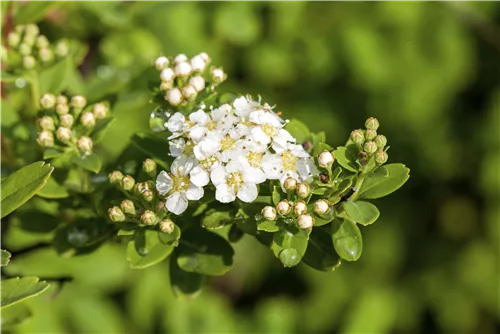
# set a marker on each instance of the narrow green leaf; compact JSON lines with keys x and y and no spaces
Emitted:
{"x":53,"y":190}
{"x":346,"y":157}
{"x":18,"y":289}
{"x":150,"y":247}
{"x":22,"y":185}
{"x":185,"y":285}
{"x":55,"y":78}
{"x":298,"y":130}
{"x":90,"y":162}
{"x":346,"y":238}
{"x":276,"y":195}
{"x":379,"y":186}
{"x":320,"y":253}
{"x":5,"y":258}
{"x":364,"y":213}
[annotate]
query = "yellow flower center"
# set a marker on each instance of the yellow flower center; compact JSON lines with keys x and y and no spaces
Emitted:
{"x":289,"y":160}
{"x":255,"y":159}
{"x":188,"y":148}
{"x":227,"y":143}
{"x":208,"y":162}
{"x":235,"y":181}
{"x":211,"y":125}
{"x":269,"y":130}
{"x":180,"y":182}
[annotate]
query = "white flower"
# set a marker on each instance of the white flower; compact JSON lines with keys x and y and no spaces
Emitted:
{"x":269,"y":128}
{"x":205,"y":57}
{"x":218,"y":75}
{"x":183,"y":69}
{"x":180,"y":58}
{"x":177,"y":147}
{"x":161,"y":63}
{"x":174,"y":96}
{"x":167,"y":74}
{"x":178,"y":186}
{"x":200,"y":175}
{"x":234,"y":180}
{"x":176,"y":123}
{"x":198,"y":64}
{"x":189,"y":91}
{"x":197,"y":82}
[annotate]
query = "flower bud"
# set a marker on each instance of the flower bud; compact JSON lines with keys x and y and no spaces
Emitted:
{"x":166,"y":85}
{"x":290,"y":184}
{"x":167,"y":74}
{"x":78,"y":102}
{"x":381,"y":158}
{"x":161,"y":63}
{"x":303,"y":190}
{"x":29,"y":40}
{"x":174,"y":96}
{"x":305,"y":221}
{"x":370,"y":134}
{"x":183,"y":69}
{"x":140,"y":188}
{"x":46,"y":123}
{"x":116,"y":214}
{"x":62,"y":109}
{"x":357,"y":137}
{"x":128,"y":207}
{"x":13,"y":39}
{"x":161,"y":207}
{"x":381,"y":141}
{"x":299,"y":208}
{"x":205,"y":57}
{"x":189,"y":92}
{"x":326,"y":159}
{"x":363,"y":158}
{"x":29,"y":62}
{"x":47,"y":101}
{"x":148,"y":195}
{"x":370,"y":147}
{"x":148,"y":218}
{"x":372,"y":123}
{"x":321,"y":206}
{"x":269,"y":213}
{"x":197,"y":82}
{"x":218,"y":75}
{"x":100,"y":110}
{"x":45,"y":139}
{"x":45,"y":55}
{"x":283,"y":208}
{"x":31,"y":30}
{"x":63,"y":134}
{"x":42,"y":42}
{"x":61,"y":99}
{"x":127,"y":183}
{"x":167,"y":226}
{"x":61,"y":49}
{"x":87,"y":119}
{"x":180,"y":58}
{"x":24,"y":49}
{"x":19,"y":29}
{"x":85,"y":144}
{"x":198,"y":64}
{"x":115,"y":177}
{"x":149,"y":166}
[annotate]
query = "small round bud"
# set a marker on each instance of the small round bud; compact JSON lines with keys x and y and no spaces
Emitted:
{"x":357,"y":137}
{"x":42,"y":42}
{"x":381,"y":158}
{"x":174,"y":96}
{"x":116,"y":214}
{"x":63,"y":134}
{"x":372,"y":123}
{"x":61,"y":49}
{"x":115,"y":177}
{"x":381,"y":141}
{"x":87,"y":119}
{"x":161,"y":63}
{"x":148,"y":195}
{"x":85,"y":144}
{"x":128,"y":207}
{"x":45,"y":55}
{"x":167,"y":74}
{"x":370,"y":147}
{"x":180,"y":58}
{"x":47,"y":101}
{"x":29,"y":40}
{"x":29,"y":62}
{"x":149,"y":166}
{"x":62,"y":109}
{"x":299,"y":208}
{"x":46,"y":123}
{"x":218,"y":75}
{"x":161,"y":207}
{"x":167,"y":226}
{"x":290,"y":184}
{"x":148,"y":218}
{"x":198,"y":83}
{"x":45,"y":139}
{"x":140,"y":188}
{"x":370,"y":134}
{"x":78,"y":102}
{"x":61,"y":99}
{"x":321,"y":206}
{"x":31,"y":30}
{"x":183,"y":69}
{"x":127,"y":183}
{"x":283,"y":207}
{"x":100,"y":110}
{"x":189,"y":92}
{"x":303,"y":190}
{"x":305,"y":221}
{"x":205,"y":57}
{"x":326,"y":159}
{"x":166,"y":85}
{"x":20,"y":29}
{"x":13,"y":39}
{"x":24,"y":49}
{"x":269,"y":213}
{"x":198,"y":64}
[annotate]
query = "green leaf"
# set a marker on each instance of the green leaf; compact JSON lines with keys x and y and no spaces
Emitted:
{"x":268,"y":226}
{"x":5,"y":258}
{"x":290,"y":246}
{"x":100,"y":129}
{"x":364,"y":213}
{"x":53,"y":190}
{"x":153,"y":146}
{"x":320,"y":253}
{"x":150,"y":247}
{"x":377,"y":185}
{"x":56,"y":78}
{"x":90,"y":162}
{"x":204,"y":252}
{"x":52,"y":153}
{"x":32,"y":12}
{"x":215,"y":219}
{"x":185,"y":285}
{"x":346,"y":156}
{"x":15,"y":315}
{"x":18,"y":289}
{"x":276,"y":195}
{"x":298,"y":130}
{"x":23,"y":184}
{"x":321,"y":147}
{"x":347,"y":239}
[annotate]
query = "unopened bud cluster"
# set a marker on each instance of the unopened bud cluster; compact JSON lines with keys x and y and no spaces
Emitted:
{"x":30,"y":49}
{"x":69,"y":122}
{"x":183,"y":79}
{"x":370,"y":142}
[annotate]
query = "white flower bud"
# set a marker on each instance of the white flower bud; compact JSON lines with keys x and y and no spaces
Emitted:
{"x":167,"y":226}
{"x":321,"y":206}
{"x":205,"y":57}
{"x":61,"y":99}
{"x":42,"y":42}
{"x":174,"y":96}
{"x":61,"y":49}
{"x":300,"y":208}
{"x":167,"y":74}
{"x":45,"y":139}
{"x":24,"y":49}
{"x":148,"y":218}
{"x":305,"y":221}
{"x":269,"y":213}
{"x":46,"y":123}
{"x":180,"y":58}
{"x":29,"y":62}
{"x":63,"y":134}
{"x":13,"y":39}
{"x":161,"y":63}
{"x":166,"y":85}
{"x":290,"y":184}
{"x":325,"y":159}
{"x":62,"y":109}
{"x":116,"y":214}
{"x":197,"y":82}
{"x":218,"y":75}
{"x":31,"y":30}
{"x":100,"y":110}
{"x":87,"y":119}
{"x":283,"y":208}
{"x":189,"y":92}
{"x":183,"y":69}
{"x":45,"y":55}
{"x":78,"y":102}
{"x":303,"y":190}
{"x":47,"y":101}
{"x":67,"y":120}
{"x":85,"y":144}
{"x":198,"y":64}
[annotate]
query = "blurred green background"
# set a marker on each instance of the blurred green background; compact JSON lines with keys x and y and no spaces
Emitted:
{"x":429,"y":71}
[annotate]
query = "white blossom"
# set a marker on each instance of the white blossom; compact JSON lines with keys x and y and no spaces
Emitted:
{"x":235,"y":179}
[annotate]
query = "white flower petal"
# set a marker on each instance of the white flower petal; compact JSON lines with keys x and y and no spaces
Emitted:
{"x":182,"y":165}
{"x":248,"y":192}
{"x":306,"y":168}
{"x":177,"y":147}
{"x":199,"y":117}
{"x":218,"y":175}
{"x":194,"y":193}
{"x":164,"y":183}
{"x":176,"y":122}
{"x":177,"y":203}
{"x":224,"y":193}
{"x":253,"y":175}
{"x":259,"y":136}
{"x":197,"y":133}
{"x":199,"y":176}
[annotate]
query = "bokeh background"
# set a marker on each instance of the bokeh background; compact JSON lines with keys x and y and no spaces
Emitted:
{"x":429,"y":71}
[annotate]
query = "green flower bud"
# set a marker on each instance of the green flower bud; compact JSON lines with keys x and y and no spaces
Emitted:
{"x":61,"y":99}
{"x":67,"y":120}
{"x":283,"y":207}
{"x":100,"y":110}
{"x":370,"y":147}
{"x":85,"y":144}
{"x":303,"y":190}
{"x":167,"y":226}
{"x":305,"y":221}
{"x":370,"y":134}
{"x":115,"y":177}
{"x":13,"y":39}
{"x":290,"y":184}
{"x":148,"y":218}
{"x":78,"y":102}
{"x":372,"y":123}
{"x":31,"y":30}
{"x":381,"y":141}
{"x":269,"y":213}
{"x":45,"y":55}
{"x":128,"y":207}
{"x":47,"y":101}
{"x":128,"y":183}
{"x":29,"y":62}
{"x":161,"y":207}
{"x":148,"y":195}
{"x":357,"y":137}
{"x":24,"y":49}
{"x":299,"y":208}
{"x":116,"y":214}
{"x":46,"y":123}
{"x":381,"y":158}
{"x":42,"y":42}
{"x":62,"y":109}
{"x":64,"y":134}
{"x":87,"y":119}
{"x":149,"y":166}
{"x":30,"y":40}
{"x":140,"y":188}
{"x":45,"y":139}
{"x":321,"y":206}
{"x":326,"y":159}
{"x":61,"y":49}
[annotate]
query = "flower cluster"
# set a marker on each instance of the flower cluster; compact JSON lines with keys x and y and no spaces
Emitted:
{"x":235,"y":147}
{"x":370,"y":143}
{"x":71,"y":120}
{"x":28,"y":48}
